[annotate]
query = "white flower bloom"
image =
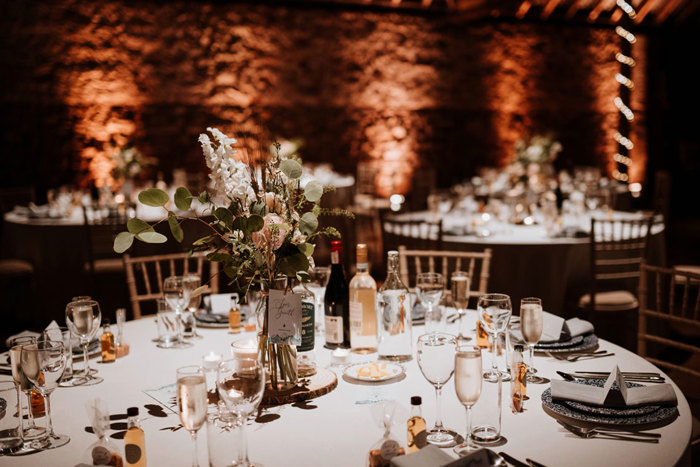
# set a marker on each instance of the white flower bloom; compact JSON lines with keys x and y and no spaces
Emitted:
{"x":230,"y":176}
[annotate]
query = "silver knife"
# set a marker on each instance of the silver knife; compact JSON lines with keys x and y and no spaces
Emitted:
{"x":534,"y":463}
{"x":512,"y":460}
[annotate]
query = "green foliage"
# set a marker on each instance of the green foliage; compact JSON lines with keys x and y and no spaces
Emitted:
{"x":313,"y":191}
{"x":136,"y":225}
{"x":183,"y":199}
{"x":154,"y":197}
{"x":123,"y":242}
{"x":225,"y":216}
{"x":152,"y":237}
{"x":291,"y":169}
{"x":175,"y":228}
{"x":308,"y":223}
{"x":254,"y":223}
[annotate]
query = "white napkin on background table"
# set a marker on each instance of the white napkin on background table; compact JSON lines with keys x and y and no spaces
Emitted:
{"x":52,"y":329}
{"x":555,"y":328}
{"x":631,"y":397}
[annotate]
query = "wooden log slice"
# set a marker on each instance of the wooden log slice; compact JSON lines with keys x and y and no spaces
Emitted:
{"x":323,"y":382}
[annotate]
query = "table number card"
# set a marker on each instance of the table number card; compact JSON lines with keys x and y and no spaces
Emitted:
{"x":284,"y":318}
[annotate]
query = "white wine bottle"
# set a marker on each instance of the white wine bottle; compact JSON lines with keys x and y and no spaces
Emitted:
{"x":363,"y":310}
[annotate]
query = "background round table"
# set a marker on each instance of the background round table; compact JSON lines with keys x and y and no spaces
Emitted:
{"x":337,"y":429}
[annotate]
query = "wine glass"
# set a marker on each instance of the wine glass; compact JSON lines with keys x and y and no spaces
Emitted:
{"x":468,"y":379}
{"x":43,"y":363}
{"x":436,"y":361}
{"x":429,"y":288}
{"x":193,"y":281}
{"x":318,"y":280}
{"x":460,"y":298}
{"x":531,"y":321}
{"x":494,"y":313}
{"x":177,"y":294}
{"x":192,"y":402}
{"x":74,"y":380}
{"x":83,"y":319}
{"x":240,"y":383}
{"x":31,"y":431}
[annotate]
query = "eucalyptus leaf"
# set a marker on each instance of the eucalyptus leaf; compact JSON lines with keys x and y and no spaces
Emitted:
{"x":225,"y":216}
{"x":154,"y":197}
{"x":183,"y":199}
{"x":291,"y":168}
{"x":123,"y":241}
{"x":313,"y":191}
{"x":218,"y":257}
{"x":152,"y":237}
{"x":259,"y":259}
{"x":136,"y":225}
{"x":176,"y":229}
{"x":239,"y":223}
{"x":203,"y":197}
{"x":254,"y":223}
{"x":259,"y":208}
{"x":298,"y":262}
{"x":306,"y":248}
{"x":203,"y":240}
{"x":308,"y":223}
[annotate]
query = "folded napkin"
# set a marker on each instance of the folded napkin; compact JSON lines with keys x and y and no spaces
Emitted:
{"x":555,"y":328}
{"x":661,"y":394}
{"x":52,"y":330}
{"x":429,"y":456}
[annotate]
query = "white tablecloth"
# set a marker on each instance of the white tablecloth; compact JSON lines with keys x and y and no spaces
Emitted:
{"x":340,"y":430}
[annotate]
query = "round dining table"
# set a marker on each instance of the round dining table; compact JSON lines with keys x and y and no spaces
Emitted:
{"x":336,"y":428}
{"x":527,"y":262}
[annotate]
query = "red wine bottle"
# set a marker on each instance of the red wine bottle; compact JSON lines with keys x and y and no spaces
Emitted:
{"x":337,"y":302}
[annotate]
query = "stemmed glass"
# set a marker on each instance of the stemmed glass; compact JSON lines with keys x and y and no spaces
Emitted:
{"x":193,"y":281}
{"x":177,"y":294}
{"x":460,"y":298}
{"x":74,"y":380}
{"x":31,"y":431}
{"x":318,"y":281}
{"x":240,"y":382}
{"x":429,"y":288}
{"x":83,"y":319}
{"x":43,"y":363}
{"x":436,"y":361}
{"x":192,"y":402}
{"x":468,"y":379}
{"x":494,"y":313}
{"x":531,"y":322}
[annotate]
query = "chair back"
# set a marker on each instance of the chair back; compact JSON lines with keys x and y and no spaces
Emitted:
{"x":413,"y":234}
{"x":476,"y":264}
{"x":145,"y":275}
{"x":669,"y":298}
{"x":618,"y":248}
{"x":101,"y":227}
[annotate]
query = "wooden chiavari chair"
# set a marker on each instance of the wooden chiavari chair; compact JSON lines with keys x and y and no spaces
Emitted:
{"x":145,"y":275}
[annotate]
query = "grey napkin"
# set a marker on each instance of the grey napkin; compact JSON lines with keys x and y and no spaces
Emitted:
{"x":662,"y":394}
{"x":429,"y":456}
{"x":555,"y":328}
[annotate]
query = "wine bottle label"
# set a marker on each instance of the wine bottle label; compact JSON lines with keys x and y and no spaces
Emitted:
{"x":307,"y":327}
{"x":335,"y":257}
{"x":356,"y":317}
{"x":334,"y":329}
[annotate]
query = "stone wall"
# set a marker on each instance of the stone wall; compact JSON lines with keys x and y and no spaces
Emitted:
{"x":416,"y":93}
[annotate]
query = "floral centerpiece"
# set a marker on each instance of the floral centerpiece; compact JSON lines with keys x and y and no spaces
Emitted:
{"x":533,"y":160}
{"x":263,"y":228}
{"x":128,"y":163}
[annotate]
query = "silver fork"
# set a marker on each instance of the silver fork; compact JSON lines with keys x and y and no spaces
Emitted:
{"x":599,"y":432}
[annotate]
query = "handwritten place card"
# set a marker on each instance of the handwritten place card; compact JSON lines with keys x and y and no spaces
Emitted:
{"x":284,"y":318}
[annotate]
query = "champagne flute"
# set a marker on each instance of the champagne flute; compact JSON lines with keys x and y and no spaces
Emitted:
{"x":177,"y":294}
{"x":83,"y":319}
{"x":429,"y":287}
{"x":240,"y":383}
{"x":192,"y":402}
{"x":460,"y":298}
{"x":436,"y":361}
{"x":74,"y":380}
{"x":494,"y":313}
{"x":531,"y":322}
{"x":193,"y":281}
{"x":468,"y":379}
{"x":43,"y":363}
{"x":31,"y":431}
{"x":318,"y":280}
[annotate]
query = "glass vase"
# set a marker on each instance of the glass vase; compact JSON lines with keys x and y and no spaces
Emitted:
{"x":279,"y":360}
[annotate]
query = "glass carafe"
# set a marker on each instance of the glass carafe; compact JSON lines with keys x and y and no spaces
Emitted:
{"x":394,"y":315}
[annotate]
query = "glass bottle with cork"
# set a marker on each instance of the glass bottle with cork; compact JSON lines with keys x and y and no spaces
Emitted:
{"x":415,"y":424}
{"x":394,"y":315}
{"x":107,"y":345}
{"x":134,"y":440}
{"x":306,"y":356}
{"x":337,"y":313}
{"x":363,"y":310}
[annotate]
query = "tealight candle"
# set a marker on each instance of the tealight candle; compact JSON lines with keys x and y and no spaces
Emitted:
{"x":211,"y":360}
{"x":244,"y":348}
{"x":340,"y":356}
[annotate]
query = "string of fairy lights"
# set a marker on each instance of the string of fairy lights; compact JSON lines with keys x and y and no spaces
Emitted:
{"x":622,"y":101}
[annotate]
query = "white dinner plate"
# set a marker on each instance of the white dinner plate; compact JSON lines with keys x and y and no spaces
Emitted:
{"x":393,"y":370}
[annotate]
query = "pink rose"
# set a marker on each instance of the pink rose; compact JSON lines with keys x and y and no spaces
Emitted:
{"x":267,"y":237}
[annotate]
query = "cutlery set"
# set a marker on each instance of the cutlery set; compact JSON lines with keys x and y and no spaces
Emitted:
{"x":580,"y":356}
{"x":638,"y":377}
{"x":611,"y":433}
